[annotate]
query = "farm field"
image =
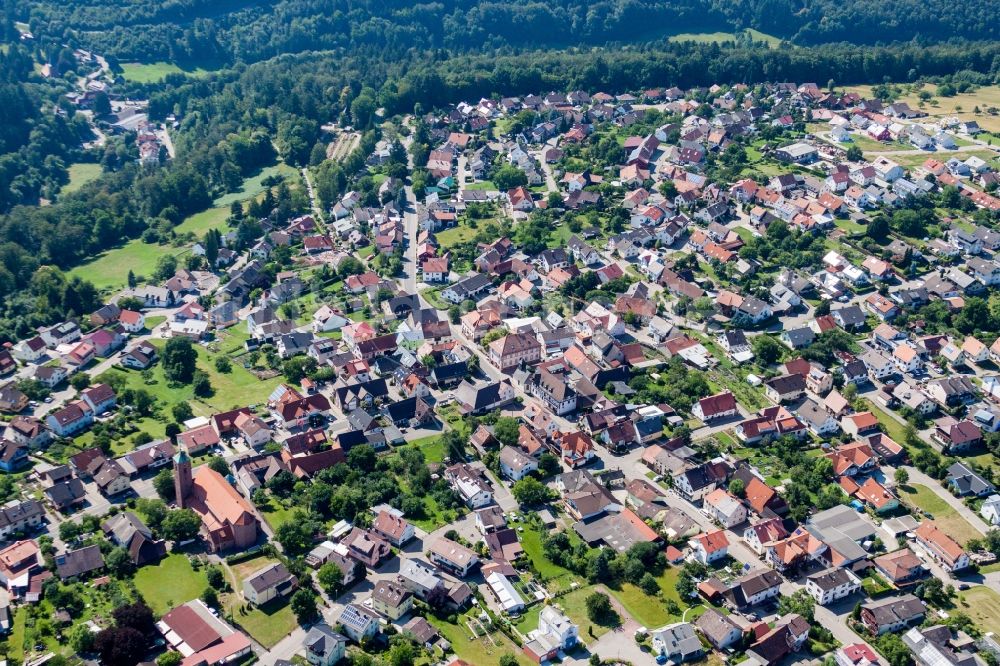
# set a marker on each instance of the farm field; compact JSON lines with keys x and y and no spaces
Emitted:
{"x":156,"y":71}
{"x":985,"y":97}
{"x":80,"y":174}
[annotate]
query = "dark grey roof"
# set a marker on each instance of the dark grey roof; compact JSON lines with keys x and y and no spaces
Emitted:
{"x":268,"y":577}
{"x":77,"y":562}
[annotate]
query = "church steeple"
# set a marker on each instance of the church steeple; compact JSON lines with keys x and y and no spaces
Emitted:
{"x":182,"y":475}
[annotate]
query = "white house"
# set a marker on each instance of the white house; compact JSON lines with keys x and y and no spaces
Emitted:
{"x":723,"y":508}
{"x":555,"y":633}
{"x":326,"y":319}
{"x":710,"y":546}
{"x":832,"y":584}
{"x":324,"y":646}
{"x":991,"y":510}
{"x":515,"y":465}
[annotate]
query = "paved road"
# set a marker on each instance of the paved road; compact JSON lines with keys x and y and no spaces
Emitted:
{"x":313,"y":201}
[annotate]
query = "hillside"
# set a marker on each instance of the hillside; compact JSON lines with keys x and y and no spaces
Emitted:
{"x":217,"y":33}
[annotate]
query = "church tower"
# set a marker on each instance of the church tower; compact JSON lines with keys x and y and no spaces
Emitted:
{"x":182,"y":476}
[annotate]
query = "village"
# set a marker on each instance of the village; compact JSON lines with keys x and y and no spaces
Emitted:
{"x":673,"y":376}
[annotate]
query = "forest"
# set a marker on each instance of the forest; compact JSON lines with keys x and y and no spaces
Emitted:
{"x":214,"y":32}
{"x":400,"y":58}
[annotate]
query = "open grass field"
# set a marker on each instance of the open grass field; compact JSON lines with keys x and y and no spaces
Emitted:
{"x":254,"y":185}
{"x":486,"y":185}
{"x":109,"y":269}
{"x":983,"y":605}
{"x":985,"y":97}
{"x":945,"y":517}
{"x":651,"y":611}
{"x":458,"y":234}
{"x":171,"y":582}
{"x":80,"y":174}
{"x":156,"y":71}
{"x":232,"y":389}
{"x":719,"y":37}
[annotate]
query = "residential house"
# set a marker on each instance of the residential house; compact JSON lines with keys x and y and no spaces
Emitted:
{"x":710,"y":547}
{"x":268,"y":583}
{"x":945,"y":550}
{"x":890,"y":614}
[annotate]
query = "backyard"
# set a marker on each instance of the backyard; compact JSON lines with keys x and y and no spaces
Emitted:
{"x":171,"y":582}
{"x":267,"y":624}
{"x":484,"y":650}
{"x":647,"y":610}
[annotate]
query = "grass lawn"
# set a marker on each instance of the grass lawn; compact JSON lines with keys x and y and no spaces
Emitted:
{"x":945,"y":517}
{"x":109,"y":269}
{"x":481,"y":185}
{"x":650,"y":611}
{"x":868,"y":144}
{"x":80,"y":174}
{"x":850,"y":226}
{"x":199,"y":223}
{"x":233,"y":389}
{"x":432,"y":447}
{"x":254,"y":185}
{"x":154,"y":321}
{"x":719,"y":37}
{"x":574,"y":605}
{"x":156,"y":71}
{"x":893,"y":428}
{"x":451,"y":237}
{"x":983,"y":605}
{"x":531,"y":541}
{"x":267,"y":624}
{"x":560,"y":236}
{"x":480,"y":651}
{"x":171,"y":582}
{"x":15,"y":644}
{"x":275,"y":513}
